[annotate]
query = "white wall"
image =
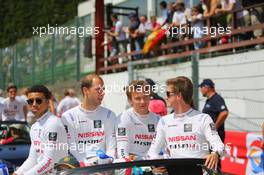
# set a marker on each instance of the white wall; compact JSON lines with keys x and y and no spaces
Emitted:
{"x":239,"y":78}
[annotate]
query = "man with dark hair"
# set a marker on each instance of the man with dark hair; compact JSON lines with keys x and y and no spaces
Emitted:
{"x":186,"y":133}
{"x":14,"y":108}
{"x":214,"y":106}
{"x":136,"y":126}
{"x":90,"y":127}
{"x":48,"y":136}
{"x":164,"y":12}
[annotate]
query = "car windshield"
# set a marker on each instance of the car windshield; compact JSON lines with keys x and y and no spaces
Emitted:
{"x":145,"y":167}
{"x":14,"y":133}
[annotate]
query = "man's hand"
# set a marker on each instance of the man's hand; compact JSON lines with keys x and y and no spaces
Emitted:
{"x":14,"y":174}
{"x":211,"y":160}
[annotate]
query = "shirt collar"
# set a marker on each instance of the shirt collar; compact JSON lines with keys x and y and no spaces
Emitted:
{"x":181,"y":115}
{"x":43,"y":117}
{"x":88,"y":111}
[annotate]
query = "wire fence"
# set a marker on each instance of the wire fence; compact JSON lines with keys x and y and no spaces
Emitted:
{"x":46,"y":59}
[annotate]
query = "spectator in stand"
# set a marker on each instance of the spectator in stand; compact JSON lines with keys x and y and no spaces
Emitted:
{"x":69,"y":101}
{"x":209,"y":7}
{"x":119,"y":35}
{"x":197,"y":25}
{"x":256,"y":17}
{"x":179,"y":22}
{"x":143,"y":30}
{"x":133,"y":26}
{"x":164,"y":13}
{"x":229,"y":5}
{"x":171,"y":12}
{"x":154,"y":24}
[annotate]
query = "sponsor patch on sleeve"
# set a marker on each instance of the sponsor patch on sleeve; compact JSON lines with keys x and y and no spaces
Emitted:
{"x":121,"y":131}
{"x":52,"y":136}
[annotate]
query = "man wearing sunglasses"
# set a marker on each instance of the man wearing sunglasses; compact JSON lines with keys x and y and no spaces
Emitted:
{"x":48,"y":136}
{"x":14,"y":108}
{"x":186,"y":133}
{"x":90,"y":127}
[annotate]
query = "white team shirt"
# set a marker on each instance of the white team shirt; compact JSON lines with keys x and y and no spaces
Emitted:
{"x":90,"y":131}
{"x":189,"y":135}
{"x":13,"y":110}
{"x":135,"y":133}
{"x":47,"y":136}
{"x":67,"y":103}
{"x":179,"y":17}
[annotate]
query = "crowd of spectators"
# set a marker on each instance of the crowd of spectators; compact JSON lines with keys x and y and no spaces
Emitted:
{"x":175,"y":15}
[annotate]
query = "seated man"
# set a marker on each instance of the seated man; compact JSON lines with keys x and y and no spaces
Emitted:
{"x":186,"y":132}
{"x":47,"y":134}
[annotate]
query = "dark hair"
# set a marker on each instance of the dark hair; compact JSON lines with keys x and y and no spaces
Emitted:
{"x":114,"y":15}
{"x":163,"y":4}
{"x":41,"y":89}
{"x":184,"y":86}
{"x":11,"y":86}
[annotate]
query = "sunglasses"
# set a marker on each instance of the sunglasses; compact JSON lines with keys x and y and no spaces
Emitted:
{"x":169,"y":94}
{"x":38,"y":101}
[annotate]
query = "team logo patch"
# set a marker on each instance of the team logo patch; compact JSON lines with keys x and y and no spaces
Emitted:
{"x":212,"y":126}
{"x":97,"y":124}
{"x":223,"y":107}
{"x":66,"y":128}
{"x":207,"y":106}
{"x":188,"y":127}
{"x":52,"y":136}
{"x":151,"y":127}
{"x":121,"y":131}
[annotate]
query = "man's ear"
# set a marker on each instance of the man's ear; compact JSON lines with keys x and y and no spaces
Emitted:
{"x":130,"y":102}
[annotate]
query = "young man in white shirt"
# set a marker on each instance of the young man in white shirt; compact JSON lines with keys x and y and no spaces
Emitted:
{"x":90,"y":127}
{"x":186,"y":133}
{"x":47,"y":134}
{"x":136,"y":126}
{"x":15,"y":108}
